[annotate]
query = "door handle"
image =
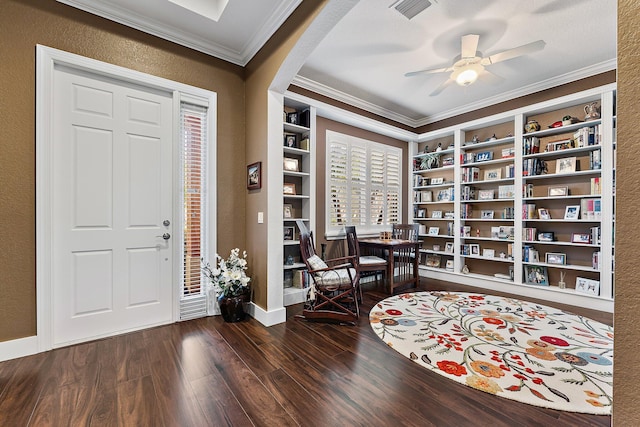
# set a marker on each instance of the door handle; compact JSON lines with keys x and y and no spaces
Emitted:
{"x":165,"y":236}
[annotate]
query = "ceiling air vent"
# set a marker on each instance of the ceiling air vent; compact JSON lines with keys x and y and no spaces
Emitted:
{"x":410,"y":8}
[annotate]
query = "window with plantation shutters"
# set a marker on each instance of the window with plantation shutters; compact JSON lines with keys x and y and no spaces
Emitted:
{"x":363,"y":186}
{"x":193,"y":134}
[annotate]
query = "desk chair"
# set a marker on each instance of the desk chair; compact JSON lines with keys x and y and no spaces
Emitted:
{"x":364,"y":263}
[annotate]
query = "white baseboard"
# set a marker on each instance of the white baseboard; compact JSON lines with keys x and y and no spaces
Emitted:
{"x":268,"y":318}
{"x":18,"y":348}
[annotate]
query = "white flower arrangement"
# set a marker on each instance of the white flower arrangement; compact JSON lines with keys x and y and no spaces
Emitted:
{"x":229,"y":278}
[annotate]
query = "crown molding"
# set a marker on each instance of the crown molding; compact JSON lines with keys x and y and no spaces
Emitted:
{"x":150,"y":26}
{"x":486,"y":102}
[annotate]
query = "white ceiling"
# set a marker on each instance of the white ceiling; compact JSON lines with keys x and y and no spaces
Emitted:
{"x":363,"y":59}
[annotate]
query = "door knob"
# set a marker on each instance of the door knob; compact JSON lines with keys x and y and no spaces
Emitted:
{"x":165,"y":236}
{"x":166,"y":223}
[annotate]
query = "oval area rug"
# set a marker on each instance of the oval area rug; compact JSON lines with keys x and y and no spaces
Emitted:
{"x":511,"y":348}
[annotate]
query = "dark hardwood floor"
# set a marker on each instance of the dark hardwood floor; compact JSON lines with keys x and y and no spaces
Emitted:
{"x":209,"y":373}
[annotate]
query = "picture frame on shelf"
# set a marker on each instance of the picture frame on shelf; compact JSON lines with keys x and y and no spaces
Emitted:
{"x":486,"y":194}
{"x":543,"y":213}
{"x":555,"y":258}
{"x":492,"y":174}
{"x":434,"y":231}
{"x":572,"y":212}
{"x":486,"y":214}
{"x":287,"y":210}
{"x":290,"y":164}
{"x":436,"y":248}
{"x":448,"y":248}
{"x":587,"y":286}
{"x":433,"y":261}
{"x":536,"y":275}
{"x":558,"y":191}
{"x":566,"y":165}
{"x":546,"y":236}
{"x":474,"y":249}
{"x":289,"y":233}
{"x":289,"y":189}
{"x":291,"y":140}
{"x":436,"y":181}
{"x":436,"y":214}
{"x":449,"y":215}
{"x":488,"y":253}
{"x":421,"y":213}
{"x":484,"y":156}
{"x":292,"y":118}
{"x":444,"y":195}
{"x":254,"y":176}
{"x":582,"y":238}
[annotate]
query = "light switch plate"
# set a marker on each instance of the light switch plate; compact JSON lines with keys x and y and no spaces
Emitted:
{"x":260,"y":217}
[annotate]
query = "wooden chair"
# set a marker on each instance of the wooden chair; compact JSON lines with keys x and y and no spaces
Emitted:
{"x":332,"y":293}
{"x":404,"y":258}
{"x":364,"y":263}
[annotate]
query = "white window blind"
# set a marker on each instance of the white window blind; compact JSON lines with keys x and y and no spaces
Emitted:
{"x":193,"y":134}
{"x":364,"y":186}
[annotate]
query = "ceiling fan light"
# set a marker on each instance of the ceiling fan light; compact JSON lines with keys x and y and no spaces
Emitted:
{"x":466,"y":77}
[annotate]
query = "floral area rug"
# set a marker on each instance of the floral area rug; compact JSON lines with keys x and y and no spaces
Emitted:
{"x":514,"y":349}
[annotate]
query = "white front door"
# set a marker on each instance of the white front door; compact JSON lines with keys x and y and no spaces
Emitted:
{"x":111,"y":206}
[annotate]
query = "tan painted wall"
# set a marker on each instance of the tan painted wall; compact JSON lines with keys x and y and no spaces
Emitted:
{"x":260,"y":73}
{"x":626,"y":376}
{"x":25,"y":23}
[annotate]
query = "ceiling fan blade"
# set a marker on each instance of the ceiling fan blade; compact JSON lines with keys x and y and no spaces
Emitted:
{"x":515,"y":52}
{"x":469,"y":45}
{"x":442,"y":87}
{"x":430,"y":71}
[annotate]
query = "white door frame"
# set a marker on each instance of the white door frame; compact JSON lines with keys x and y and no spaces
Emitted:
{"x":46,"y":59}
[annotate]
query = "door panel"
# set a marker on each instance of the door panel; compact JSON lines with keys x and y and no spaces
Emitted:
{"x":112,"y":190}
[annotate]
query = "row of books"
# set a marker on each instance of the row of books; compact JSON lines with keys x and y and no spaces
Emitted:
{"x":533,"y":167}
{"x":595,"y":160}
{"x":531,"y":146}
{"x":591,"y":209}
{"x":530,"y":254}
{"x":584,"y":137}
{"x":297,"y":279}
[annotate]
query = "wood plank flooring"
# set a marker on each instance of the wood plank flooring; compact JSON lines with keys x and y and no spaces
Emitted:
{"x":209,"y":373}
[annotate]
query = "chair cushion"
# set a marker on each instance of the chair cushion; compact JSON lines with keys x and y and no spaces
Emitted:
{"x":338,"y":278}
{"x":316,"y":263}
{"x":371,"y":260}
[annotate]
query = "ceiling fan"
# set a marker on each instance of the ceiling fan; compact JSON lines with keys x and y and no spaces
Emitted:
{"x":470,"y":63}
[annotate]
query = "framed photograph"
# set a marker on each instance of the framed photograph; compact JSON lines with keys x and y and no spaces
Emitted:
{"x":421,"y":213}
{"x":289,"y":233}
{"x":492,"y":174}
{"x":584,"y":238}
{"x":449,"y":215}
{"x":484,"y":156}
{"x":254,"y":176}
{"x":290,"y":164}
{"x":485,"y":194}
{"x":587,"y":286}
{"x":287,"y":211}
{"x":486,"y":214}
{"x":543,"y":213}
{"x":434,"y":231}
{"x":488,"y":253}
{"x":475,"y":249}
{"x":290,"y":140}
{"x":536,"y":275}
{"x":558,"y":191}
{"x":292,"y":118}
{"x":289,"y":188}
{"x":433,"y":261}
{"x":449,"y":247}
{"x":436,"y":214}
{"x":436,"y":181}
{"x":566,"y":165}
{"x":572,"y":212}
{"x":449,"y":265}
{"x":444,"y":195}
{"x":555,"y":258}
{"x":546,"y":236}
{"x":436,"y":248}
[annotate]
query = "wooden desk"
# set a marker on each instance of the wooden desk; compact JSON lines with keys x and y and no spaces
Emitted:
{"x":406,"y":259}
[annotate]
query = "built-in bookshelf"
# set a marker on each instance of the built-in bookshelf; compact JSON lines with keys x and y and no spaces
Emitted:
{"x":298,"y":173}
{"x":532,"y":206}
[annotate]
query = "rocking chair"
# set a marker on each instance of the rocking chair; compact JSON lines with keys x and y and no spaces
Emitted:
{"x":332,"y":293}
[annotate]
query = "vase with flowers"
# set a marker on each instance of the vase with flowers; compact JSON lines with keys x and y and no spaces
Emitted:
{"x":230,"y":284}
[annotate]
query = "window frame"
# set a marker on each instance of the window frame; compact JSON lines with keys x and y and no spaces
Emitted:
{"x":355,"y":147}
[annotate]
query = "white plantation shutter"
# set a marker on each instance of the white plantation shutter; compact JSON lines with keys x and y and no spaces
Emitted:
{"x":364,"y":186}
{"x":193,"y":134}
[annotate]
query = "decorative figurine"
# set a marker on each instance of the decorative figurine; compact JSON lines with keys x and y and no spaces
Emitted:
{"x":531,"y":126}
